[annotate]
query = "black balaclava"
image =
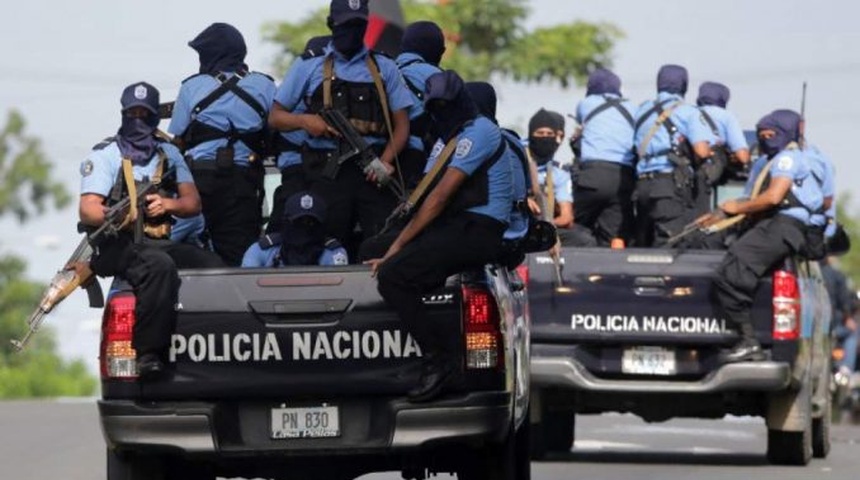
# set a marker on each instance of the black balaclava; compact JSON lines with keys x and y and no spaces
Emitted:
{"x":544,"y":148}
{"x":221,"y":49}
{"x":448,"y":104}
{"x":603,"y":82}
{"x":672,"y":79}
{"x":786,"y":124}
{"x":425,"y":39}
{"x":136,"y":136}
{"x":484,"y":96}
{"x":348,"y":38}
{"x":713,"y":93}
{"x":303,"y":241}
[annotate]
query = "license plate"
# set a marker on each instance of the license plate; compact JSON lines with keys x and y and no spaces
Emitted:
{"x":648,"y":361}
{"x":305,"y":422}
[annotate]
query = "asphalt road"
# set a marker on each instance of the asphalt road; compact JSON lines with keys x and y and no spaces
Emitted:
{"x":61,"y":440}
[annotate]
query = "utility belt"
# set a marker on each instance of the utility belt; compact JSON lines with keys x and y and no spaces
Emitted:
{"x":596,"y":163}
{"x":221,"y":177}
{"x":326,"y":163}
{"x":281,"y":145}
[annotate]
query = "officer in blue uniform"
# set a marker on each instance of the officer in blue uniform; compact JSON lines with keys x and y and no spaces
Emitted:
{"x":788,"y":202}
{"x":148,"y":261}
{"x":546,"y":132}
{"x":671,"y":140}
{"x":301,"y":240}
{"x":606,"y":179}
{"x":369,"y":90}
{"x":220,"y":116}
{"x":421,"y":49}
{"x":287,"y":145}
{"x":730,"y":147}
{"x":459,"y":225}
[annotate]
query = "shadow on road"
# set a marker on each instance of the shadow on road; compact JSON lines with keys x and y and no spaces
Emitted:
{"x":662,"y":457}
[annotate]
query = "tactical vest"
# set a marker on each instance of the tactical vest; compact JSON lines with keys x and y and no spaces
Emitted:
{"x":791,"y":200}
{"x":475,"y":191}
{"x":681,"y":151}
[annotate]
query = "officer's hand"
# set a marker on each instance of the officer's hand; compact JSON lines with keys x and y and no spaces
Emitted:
{"x":316,"y":127}
{"x":379,"y":172}
{"x":155,"y":206}
{"x":534,"y":207}
{"x":377,"y":262}
{"x":731,"y":207}
{"x":707,"y":220}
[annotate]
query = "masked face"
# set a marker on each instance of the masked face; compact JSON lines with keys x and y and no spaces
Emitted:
{"x":303,"y":241}
{"x":348,"y":38}
{"x":136,"y":136}
{"x":543,"y":145}
{"x":770,"y":142}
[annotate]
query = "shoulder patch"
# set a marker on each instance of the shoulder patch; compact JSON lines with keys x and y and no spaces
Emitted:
{"x":339,"y":258}
{"x":104,"y":143}
{"x":785,"y":162}
{"x":437,"y":149}
{"x":86,"y":168}
{"x":464,"y":146}
{"x":195,"y":75}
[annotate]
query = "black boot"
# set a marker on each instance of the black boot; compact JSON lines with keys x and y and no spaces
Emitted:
{"x":746,"y":350}
{"x":436,"y":374}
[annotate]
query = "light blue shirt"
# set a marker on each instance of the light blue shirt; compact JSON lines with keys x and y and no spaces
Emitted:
{"x":226,"y":112}
{"x":296,"y":137}
{"x":259,"y":257}
{"x":607,"y":136}
{"x":686,"y":118}
{"x":303,"y":79}
{"x":519,"y":222}
{"x":794,"y":165}
{"x":825,"y":175}
{"x":561,"y":182}
{"x":102,"y":167}
{"x":415,"y":71}
{"x":188,"y":230}
{"x":728,"y":129}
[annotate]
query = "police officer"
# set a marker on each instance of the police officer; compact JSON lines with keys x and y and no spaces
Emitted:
{"x":459,"y":225}
{"x":287,"y":145}
{"x":790,"y":197}
{"x":368,"y":89}
{"x":220,"y":116}
{"x":671,"y":139}
{"x":730,"y":147}
{"x":546,"y":132}
{"x":301,"y":240}
{"x":606,"y":180}
{"x":421,"y":49}
{"x":149,"y":262}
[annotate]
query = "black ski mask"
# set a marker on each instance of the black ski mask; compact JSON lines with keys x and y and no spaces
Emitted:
{"x":221,"y":48}
{"x":303,"y":241}
{"x":786,"y":125}
{"x":544,"y":148}
{"x":348,"y":38}
{"x":448,"y":104}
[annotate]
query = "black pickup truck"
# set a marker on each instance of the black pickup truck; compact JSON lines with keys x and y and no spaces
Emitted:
{"x":637,"y":331}
{"x":302,"y":372}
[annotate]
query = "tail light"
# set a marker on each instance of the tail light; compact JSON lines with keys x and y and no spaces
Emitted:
{"x":483,"y":336}
{"x":786,"y":306}
{"x":523,"y":272}
{"x":117,"y":354}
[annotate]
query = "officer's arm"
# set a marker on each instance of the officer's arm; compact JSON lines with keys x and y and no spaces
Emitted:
{"x":770,"y":198}
{"x":187,"y":204}
{"x":91,"y":209}
{"x":432,"y":206}
{"x":564,"y":219}
{"x":283,"y":120}
{"x":828,"y":202}
{"x":742,"y":156}
{"x":399,"y":137}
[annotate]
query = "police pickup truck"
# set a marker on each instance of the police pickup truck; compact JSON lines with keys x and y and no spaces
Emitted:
{"x":637,"y":331}
{"x":302,"y":372}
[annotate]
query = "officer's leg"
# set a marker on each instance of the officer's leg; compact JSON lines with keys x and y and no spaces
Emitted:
{"x":187,"y":256}
{"x":292,"y":181}
{"x":374,"y":204}
{"x":237,"y":226}
{"x":644,"y":225}
{"x":588,"y":206}
{"x":670,"y":210}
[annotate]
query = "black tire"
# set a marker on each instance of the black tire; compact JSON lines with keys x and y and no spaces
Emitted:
{"x":821,"y":432}
{"x":133,"y":467}
{"x":789,"y":448}
{"x":521,"y":451}
{"x":554,"y":433}
{"x":506,"y":461}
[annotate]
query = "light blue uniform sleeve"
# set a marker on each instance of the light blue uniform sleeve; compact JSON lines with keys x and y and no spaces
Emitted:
{"x":399,"y":96}
{"x":735,"y":138}
{"x":257,"y":257}
{"x":181,"y":118}
{"x":334,"y":257}
{"x":563,"y":185}
{"x":579,"y":112}
{"x":475,"y":145}
{"x":295,"y":84}
{"x":697,"y":128}
{"x":96,"y":174}
{"x":786,"y":165}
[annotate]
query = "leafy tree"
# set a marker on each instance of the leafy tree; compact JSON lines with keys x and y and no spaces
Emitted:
{"x":485,"y":38}
{"x":26,"y":187}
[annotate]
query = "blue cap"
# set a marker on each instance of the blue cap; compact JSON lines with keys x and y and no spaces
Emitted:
{"x":342,"y":11}
{"x":713,"y":93}
{"x":140,"y":94}
{"x":303,"y":204}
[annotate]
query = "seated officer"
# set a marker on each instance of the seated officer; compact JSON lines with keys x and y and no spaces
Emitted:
{"x":143,"y":253}
{"x":784,"y":209}
{"x":302,"y":239}
{"x":459,"y":225}
{"x":546,"y":132}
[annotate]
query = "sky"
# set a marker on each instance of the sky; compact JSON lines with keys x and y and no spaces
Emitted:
{"x":66,"y":63}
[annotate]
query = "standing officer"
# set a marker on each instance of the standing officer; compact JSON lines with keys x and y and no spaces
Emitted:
{"x":671,"y":140}
{"x":301,"y":240}
{"x":546,"y":132}
{"x":787,"y":203}
{"x":368,"y":89}
{"x":606,"y":180}
{"x":422,"y":48}
{"x":460,"y":224}
{"x":148,"y":261}
{"x":730,"y":147}
{"x":220,"y":116}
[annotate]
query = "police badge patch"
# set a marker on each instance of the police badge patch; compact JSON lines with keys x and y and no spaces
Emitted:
{"x":86,"y":168}
{"x":354,"y":4}
{"x":464,"y":146}
{"x":307,"y":202}
{"x":140,"y":92}
{"x":784,"y":163}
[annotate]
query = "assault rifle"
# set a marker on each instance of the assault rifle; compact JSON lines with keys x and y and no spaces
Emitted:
{"x":358,"y":149}
{"x":76,"y":272}
{"x":548,"y":216}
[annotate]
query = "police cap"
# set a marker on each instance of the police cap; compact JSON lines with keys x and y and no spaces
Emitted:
{"x":140,"y":94}
{"x":342,"y":11}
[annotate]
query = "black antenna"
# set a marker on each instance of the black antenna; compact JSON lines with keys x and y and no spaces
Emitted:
{"x":803,"y":117}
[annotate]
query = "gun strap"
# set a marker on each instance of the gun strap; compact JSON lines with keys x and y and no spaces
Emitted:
{"x":383,"y":99}
{"x":128,"y":176}
{"x":328,"y":77}
{"x":664,"y":115}
{"x":550,"y":193}
{"x":431,"y":176}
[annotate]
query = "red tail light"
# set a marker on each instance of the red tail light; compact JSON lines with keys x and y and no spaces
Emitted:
{"x":117,"y":354}
{"x":483,"y":336}
{"x":786,"y":306}
{"x":523,"y":271}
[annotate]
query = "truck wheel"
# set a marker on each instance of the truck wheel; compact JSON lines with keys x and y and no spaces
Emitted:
{"x":789,"y":448}
{"x":133,"y":467}
{"x":506,"y":461}
{"x":821,"y":432}
{"x":554,"y":434}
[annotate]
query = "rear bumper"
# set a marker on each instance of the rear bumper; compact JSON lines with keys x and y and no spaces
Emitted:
{"x":567,"y":373}
{"x":373,"y":425}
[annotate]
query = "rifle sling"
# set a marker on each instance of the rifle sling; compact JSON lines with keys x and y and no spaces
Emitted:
{"x":128,"y":177}
{"x":432,"y":176}
{"x":664,"y":116}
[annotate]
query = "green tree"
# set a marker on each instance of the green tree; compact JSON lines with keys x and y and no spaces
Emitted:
{"x":26,"y":188}
{"x":485,"y":38}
